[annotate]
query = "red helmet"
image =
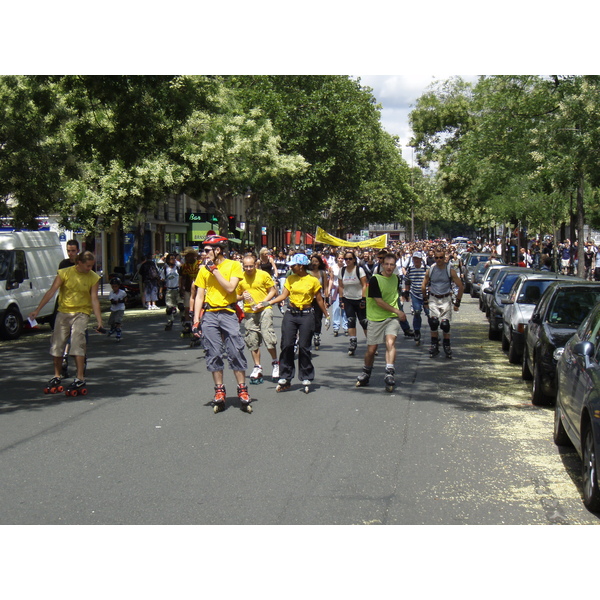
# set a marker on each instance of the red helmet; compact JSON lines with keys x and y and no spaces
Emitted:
{"x":215,"y":240}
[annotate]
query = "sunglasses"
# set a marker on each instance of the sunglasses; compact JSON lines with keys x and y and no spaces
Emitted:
{"x":440,"y":257}
{"x":349,"y":258}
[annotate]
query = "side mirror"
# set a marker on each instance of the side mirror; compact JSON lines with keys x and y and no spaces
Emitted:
{"x":584,"y":350}
{"x":536,"y":318}
{"x":16,"y":280}
{"x":489,"y":290}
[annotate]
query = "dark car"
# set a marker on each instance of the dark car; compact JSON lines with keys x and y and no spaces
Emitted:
{"x":521,"y":303}
{"x":469,"y":264}
{"x":560,"y":311}
{"x":577,"y":410}
{"x":499,"y":291}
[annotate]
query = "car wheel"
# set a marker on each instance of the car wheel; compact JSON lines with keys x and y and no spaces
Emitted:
{"x":537,"y":393}
{"x":505,"y":342}
{"x":513,"y":355}
{"x":561,"y":437}
{"x":11,"y":325}
{"x":492,"y":334}
{"x":525,"y":370}
{"x":472,"y":292}
{"x":589,"y":471}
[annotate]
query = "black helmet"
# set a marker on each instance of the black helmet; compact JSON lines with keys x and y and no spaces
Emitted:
{"x":115,"y":281}
{"x":215,"y":240}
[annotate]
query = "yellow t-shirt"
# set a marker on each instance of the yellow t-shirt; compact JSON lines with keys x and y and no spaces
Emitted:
{"x":215,"y":295}
{"x":302,"y":289}
{"x":74,"y":296}
{"x":258,"y":285}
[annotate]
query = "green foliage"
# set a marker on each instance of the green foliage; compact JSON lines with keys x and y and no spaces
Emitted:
{"x":105,"y":148}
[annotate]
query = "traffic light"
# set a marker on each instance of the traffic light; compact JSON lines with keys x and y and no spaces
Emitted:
{"x":231,"y":220}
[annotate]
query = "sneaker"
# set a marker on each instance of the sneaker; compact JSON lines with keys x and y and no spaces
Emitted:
{"x":256,"y":372}
{"x":275,"y":374}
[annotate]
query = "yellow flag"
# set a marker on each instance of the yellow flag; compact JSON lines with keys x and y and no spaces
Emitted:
{"x":322,"y":237}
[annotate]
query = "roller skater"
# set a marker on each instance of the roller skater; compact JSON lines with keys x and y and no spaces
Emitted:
{"x":219,"y":399}
{"x":298,"y":321}
{"x":54,"y":386}
{"x":76,"y":387}
{"x":353,"y":284}
{"x":415,"y":274}
{"x":363,"y":379}
{"x":437,"y":292}
{"x":257,"y":286}
{"x":215,"y":311}
{"x":390,"y":379}
{"x":117,"y":308}
{"x":384,"y":320}
{"x":257,"y":375}
{"x":171,"y":289}
{"x":78,"y":298}
{"x":352,"y":347}
{"x":283,"y":385}
{"x":242,"y":391}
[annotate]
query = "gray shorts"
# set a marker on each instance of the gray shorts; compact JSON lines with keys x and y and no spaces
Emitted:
{"x":259,"y":328}
{"x":377,"y":331}
{"x":172,"y":297}
{"x":69,"y":325}
{"x":220,"y":329}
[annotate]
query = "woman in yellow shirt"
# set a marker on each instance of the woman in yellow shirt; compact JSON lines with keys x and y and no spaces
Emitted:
{"x":298,"y":321}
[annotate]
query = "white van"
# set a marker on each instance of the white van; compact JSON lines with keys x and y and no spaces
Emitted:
{"x":28,"y":265}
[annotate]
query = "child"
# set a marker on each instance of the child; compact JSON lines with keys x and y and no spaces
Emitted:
{"x":117,"y":307}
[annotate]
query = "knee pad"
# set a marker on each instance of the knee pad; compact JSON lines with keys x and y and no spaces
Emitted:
{"x":352,"y":322}
{"x":434,"y":323}
{"x":445,"y":325}
{"x":363,"y":323}
{"x":180,"y":306}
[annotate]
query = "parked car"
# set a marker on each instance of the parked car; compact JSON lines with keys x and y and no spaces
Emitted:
{"x":577,"y":410}
{"x":488,"y":279}
{"x":498,"y":292}
{"x":519,"y":306}
{"x":477,"y":279}
{"x":560,"y":311}
{"x":468,"y":264}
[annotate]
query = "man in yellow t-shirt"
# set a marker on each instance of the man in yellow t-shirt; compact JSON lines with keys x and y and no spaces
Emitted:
{"x":78,"y":298}
{"x":298,"y":322}
{"x":215,"y":313}
{"x":257,"y":285}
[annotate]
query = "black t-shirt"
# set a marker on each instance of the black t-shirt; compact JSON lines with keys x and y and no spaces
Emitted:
{"x":65,"y":263}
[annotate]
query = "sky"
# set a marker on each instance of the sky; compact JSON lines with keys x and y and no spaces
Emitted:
{"x":397,"y":95}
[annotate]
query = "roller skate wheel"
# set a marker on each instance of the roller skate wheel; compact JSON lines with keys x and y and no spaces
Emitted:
{"x":247,"y":408}
{"x":389,"y":388}
{"x":83,"y":391}
{"x":46,"y":390}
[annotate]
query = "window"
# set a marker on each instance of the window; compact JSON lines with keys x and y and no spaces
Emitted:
{"x":4,"y":264}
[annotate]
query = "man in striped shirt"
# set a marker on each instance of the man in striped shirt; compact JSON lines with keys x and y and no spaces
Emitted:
{"x":414,"y":276}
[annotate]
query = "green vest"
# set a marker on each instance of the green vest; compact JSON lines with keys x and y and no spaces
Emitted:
{"x":389,"y":294}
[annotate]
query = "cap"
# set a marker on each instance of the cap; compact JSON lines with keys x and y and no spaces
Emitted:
{"x":418,"y":255}
{"x":299,"y":259}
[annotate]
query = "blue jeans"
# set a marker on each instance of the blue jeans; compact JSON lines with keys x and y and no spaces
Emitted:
{"x":418,"y":307}
{"x":338,"y":315}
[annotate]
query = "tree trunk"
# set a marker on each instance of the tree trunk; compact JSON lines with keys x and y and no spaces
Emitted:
{"x":580,"y":225}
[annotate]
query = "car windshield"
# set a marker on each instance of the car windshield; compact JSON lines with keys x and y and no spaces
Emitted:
{"x":477,"y":259}
{"x":532,"y":291}
{"x":4,"y":264}
{"x":570,"y":307}
{"x":507,"y":283}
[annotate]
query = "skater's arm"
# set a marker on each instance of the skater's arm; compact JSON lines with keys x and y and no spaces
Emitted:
{"x":198,"y":303}
{"x":321,"y":303}
{"x":393,"y":309}
{"x":271,"y":301}
{"x":47,"y":297}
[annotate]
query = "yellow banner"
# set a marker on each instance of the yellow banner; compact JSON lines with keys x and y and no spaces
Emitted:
{"x":322,"y":237}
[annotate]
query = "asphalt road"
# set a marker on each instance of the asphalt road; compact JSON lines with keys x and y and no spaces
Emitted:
{"x":458,"y":442}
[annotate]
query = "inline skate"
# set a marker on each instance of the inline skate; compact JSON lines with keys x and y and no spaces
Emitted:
{"x":219,"y":399}
{"x":242,"y":391}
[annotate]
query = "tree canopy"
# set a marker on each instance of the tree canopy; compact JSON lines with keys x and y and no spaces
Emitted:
{"x":108,"y":148}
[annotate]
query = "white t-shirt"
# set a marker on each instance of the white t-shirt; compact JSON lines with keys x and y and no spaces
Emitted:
{"x":352,"y":283}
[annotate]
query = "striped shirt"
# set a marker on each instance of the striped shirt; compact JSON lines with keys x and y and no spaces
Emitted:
{"x":415,"y":278}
